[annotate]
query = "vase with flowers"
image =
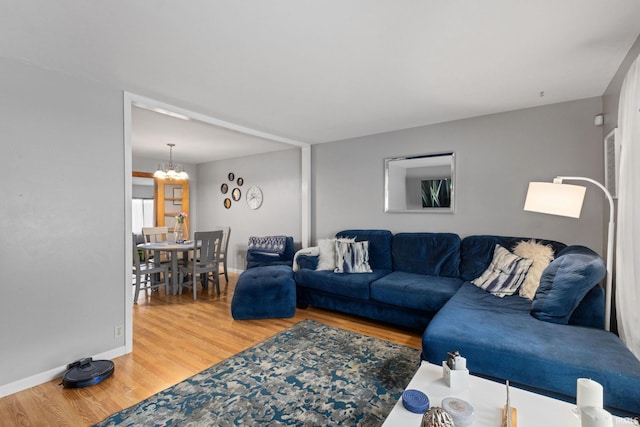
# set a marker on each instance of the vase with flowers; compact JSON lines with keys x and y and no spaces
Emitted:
{"x":180,"y":231}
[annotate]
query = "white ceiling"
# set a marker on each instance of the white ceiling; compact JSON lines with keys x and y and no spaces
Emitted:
{"x":318,"y":71}
{"x":195,"y":141}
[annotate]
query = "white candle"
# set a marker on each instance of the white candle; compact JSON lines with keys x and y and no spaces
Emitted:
{"x":595,"y":417}
{"x":589,"y":393}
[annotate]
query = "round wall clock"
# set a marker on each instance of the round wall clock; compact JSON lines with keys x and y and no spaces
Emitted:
{"x":254,"y":197}
{"x":224,"y":188}
{"x":227,"y":203}
{"x":235,"y":194}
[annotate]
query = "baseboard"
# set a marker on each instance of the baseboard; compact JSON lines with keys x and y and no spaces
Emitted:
{"x":52,"y":374}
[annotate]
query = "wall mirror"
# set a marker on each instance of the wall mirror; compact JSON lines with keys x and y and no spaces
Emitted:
{"x":420,"y":183}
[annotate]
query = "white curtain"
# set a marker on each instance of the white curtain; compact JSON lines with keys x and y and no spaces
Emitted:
{"x":628,"y":235}
{"x":141,"y":214}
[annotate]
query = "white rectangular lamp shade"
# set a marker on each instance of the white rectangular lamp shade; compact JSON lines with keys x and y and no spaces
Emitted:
{"x":555,"y":199}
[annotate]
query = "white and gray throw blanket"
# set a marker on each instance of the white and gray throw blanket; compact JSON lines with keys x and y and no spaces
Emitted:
{"x":311,"y":251}
{"x":268,"y":245}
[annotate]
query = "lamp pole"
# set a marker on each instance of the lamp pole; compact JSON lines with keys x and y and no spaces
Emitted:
{"x":610,"y":239}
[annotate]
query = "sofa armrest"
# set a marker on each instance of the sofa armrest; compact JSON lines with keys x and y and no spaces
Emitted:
{"x":590,"y":312}
{"x":309,"y":262}
{"x":564,"y":285}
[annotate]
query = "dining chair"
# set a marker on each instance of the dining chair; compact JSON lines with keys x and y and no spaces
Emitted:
{"x":223,"y":251}
{"x":145,"y":271}
{"x":155,"y":235}
{"x":206,"y":260}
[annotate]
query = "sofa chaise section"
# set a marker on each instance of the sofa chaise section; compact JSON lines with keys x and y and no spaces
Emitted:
{"x":502,"y":339}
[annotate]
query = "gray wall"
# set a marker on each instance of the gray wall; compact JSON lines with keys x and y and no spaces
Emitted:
{"x":277,"y":174}
{"x":142,"y":191}
{"x":61,"y":220}
{"x":496,"y":157}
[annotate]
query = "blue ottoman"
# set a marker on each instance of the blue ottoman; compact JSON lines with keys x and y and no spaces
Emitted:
{"x":264,"y":293}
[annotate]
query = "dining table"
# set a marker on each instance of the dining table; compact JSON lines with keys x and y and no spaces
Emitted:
{"x":173,"y":248}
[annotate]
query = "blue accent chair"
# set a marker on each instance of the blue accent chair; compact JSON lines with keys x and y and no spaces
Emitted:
{"x":266,"y":289}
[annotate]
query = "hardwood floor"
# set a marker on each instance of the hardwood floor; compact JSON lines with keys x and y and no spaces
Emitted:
{"x":174,"y":338}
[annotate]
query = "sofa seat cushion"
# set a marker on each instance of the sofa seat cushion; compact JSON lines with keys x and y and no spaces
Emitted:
{"x":415,"y":291}
{"x":354,"y":285}
{"x":501,"y":339}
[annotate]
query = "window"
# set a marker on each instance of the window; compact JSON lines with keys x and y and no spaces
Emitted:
{"x":142,"y":214}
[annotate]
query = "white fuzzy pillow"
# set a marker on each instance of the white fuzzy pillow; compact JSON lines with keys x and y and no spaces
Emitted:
{"x":327,"y":248}
{"x":327,"y":257}
{"x":541,"y":255}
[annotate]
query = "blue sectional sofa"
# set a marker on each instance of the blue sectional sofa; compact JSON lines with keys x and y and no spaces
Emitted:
{"x":423,"y":281}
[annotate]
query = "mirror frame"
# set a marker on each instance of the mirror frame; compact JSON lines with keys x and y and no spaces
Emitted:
{"x":420,"y":161}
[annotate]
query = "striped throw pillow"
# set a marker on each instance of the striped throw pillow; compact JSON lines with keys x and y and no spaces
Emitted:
{"x":352,"y":257}
{"x":505,"y":274}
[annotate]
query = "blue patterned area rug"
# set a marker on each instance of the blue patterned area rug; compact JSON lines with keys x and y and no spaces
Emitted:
{"x":308,"y":375}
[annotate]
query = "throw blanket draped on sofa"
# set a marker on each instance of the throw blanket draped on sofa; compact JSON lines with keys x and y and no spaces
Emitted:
{"x":267,"y":245}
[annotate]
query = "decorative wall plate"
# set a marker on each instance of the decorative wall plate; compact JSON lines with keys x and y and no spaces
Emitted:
{"x":231,"y":176}
{"x":224,"y":188}
{"x":227,"y":203}
{"x":240,"y":182}
{"x":236,"y":194}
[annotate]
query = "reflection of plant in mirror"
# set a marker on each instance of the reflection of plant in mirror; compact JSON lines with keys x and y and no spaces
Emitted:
{"x":404,"y":178}
{"x":436,"y":193}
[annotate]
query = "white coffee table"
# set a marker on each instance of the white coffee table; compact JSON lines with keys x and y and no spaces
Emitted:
{"x":487,"y":398}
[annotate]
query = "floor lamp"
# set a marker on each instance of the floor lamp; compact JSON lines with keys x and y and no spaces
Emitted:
{"x":557,"y":198}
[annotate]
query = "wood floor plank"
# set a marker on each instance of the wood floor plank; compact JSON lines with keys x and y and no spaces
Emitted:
{"x":173,"y":339}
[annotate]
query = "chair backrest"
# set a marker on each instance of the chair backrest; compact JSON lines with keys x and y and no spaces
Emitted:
{"x":225,"y":239}
{"x":136,"y":254}
{"x":210,"y":245}
{"x":155,"y":234}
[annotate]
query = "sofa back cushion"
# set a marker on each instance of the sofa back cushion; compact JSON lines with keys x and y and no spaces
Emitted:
{"x":565,"y":282}
{"x":434,"y":254}
{"x":379,"y":246}
{"x":476,"y":252}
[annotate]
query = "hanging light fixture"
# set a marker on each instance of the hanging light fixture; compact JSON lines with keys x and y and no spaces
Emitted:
{"x":170,"y":171}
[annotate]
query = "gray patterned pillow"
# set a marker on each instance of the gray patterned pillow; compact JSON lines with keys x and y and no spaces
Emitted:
{"x":352,"y":257}
{"x":505,"y":274}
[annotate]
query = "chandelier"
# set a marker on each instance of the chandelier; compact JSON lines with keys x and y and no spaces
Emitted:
{"x":170,"y":171}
